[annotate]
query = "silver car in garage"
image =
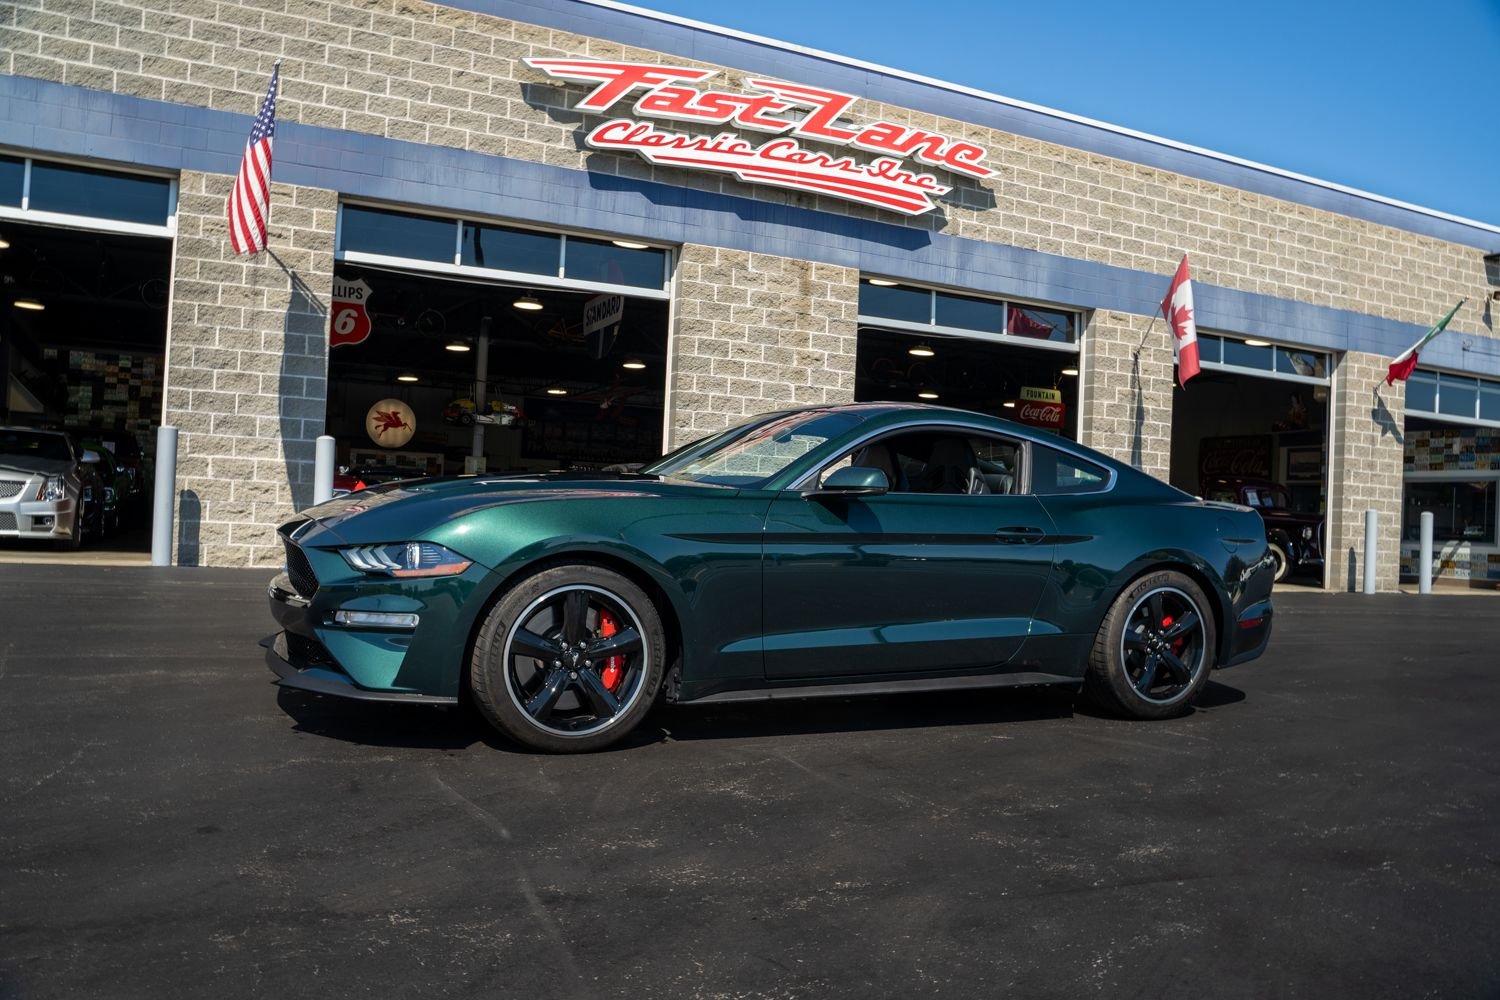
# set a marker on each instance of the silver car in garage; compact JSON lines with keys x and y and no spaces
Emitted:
{"x":44,"y":480}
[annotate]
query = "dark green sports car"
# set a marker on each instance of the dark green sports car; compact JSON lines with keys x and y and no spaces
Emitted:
{"x":877,"y":547}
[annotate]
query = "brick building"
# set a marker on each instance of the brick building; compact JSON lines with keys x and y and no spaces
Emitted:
{"x":782,"y":227}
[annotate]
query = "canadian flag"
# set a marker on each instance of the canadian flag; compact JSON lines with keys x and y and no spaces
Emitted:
{"x":1177,"y":307}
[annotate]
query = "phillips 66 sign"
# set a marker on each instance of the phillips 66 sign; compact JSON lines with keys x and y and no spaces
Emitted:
{"x":348,"y":319}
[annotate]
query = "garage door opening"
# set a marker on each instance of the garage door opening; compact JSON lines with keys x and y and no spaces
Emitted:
{"x":82,"y":350}
{"x":1252,"y":428}
{"x":459,"y":346}
{"x":1007,"y":359}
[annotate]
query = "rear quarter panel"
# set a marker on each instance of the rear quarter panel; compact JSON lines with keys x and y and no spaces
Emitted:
{"x":1107,"y":540}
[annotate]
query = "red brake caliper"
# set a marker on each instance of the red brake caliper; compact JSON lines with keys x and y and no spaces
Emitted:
{"x":1177,"y":642}
{"x":614,"y":667}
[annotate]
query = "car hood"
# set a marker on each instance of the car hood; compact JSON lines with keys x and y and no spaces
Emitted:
{"x":400,"y":510}
{"x":32,"y":464}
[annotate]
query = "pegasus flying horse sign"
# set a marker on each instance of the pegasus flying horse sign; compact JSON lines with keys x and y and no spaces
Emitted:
{"x":792,"y":114}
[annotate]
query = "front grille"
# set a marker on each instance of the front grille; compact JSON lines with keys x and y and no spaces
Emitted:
{"x":300,"y":571}
{"x":7,"y":521}
{"x":10,"y":487}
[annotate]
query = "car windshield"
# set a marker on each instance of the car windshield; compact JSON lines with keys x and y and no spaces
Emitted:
{"x":1266,"y":497}
{"x":36,"y":444}
{"x":756,"y":450}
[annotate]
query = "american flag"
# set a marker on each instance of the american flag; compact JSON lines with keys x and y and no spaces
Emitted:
{"x":250,"y":201}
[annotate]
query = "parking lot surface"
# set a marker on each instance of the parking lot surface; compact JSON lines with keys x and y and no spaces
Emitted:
{"x":172,"y":825}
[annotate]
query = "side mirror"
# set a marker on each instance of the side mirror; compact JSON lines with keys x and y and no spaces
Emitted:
{"x":853,"y":481}
{"x":90,"y":457}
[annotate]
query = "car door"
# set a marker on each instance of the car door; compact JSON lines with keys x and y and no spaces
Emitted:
{"x":920,"y":579}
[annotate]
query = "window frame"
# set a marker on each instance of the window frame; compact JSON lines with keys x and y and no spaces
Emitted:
{"x":1453,"y":476}
{"x":24,"y":213}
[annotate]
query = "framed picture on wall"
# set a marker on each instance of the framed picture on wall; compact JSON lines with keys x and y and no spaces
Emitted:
{"x":1304,"y":463}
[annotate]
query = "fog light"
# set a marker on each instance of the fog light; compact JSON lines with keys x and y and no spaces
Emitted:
{"x":375,"y":619}
{"x":45,"y":521}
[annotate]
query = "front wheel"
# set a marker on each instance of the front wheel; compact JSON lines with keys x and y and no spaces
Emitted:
{"x":1155,"y":649}
{"x":569,"y":660}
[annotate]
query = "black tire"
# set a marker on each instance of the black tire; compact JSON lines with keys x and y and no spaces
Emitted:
{"x":1155,"y":649}
{"x":543,"y":658}
{"x":1283,"y":564}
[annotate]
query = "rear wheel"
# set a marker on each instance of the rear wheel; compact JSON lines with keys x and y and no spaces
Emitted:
{"x":1155,"y":649}
{"x":569,"y":660}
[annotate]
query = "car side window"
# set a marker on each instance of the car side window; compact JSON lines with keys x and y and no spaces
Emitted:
{"x":1053,"y":472}
{"x":938,"y":462}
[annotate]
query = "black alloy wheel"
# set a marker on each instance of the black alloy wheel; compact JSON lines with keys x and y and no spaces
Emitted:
{"x":569,"y":660}
{"x":1155,"y":649}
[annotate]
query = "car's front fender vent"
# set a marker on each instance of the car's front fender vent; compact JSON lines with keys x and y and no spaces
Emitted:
{"x":300,"y":571}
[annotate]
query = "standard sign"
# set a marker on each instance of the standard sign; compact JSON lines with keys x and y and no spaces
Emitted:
{"x":602,"y":312}
{"x":790,"y":114}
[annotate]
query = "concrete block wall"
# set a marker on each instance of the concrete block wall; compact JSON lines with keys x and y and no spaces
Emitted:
{"x":1125,"y":401}
{"x":754,"y":333}
{"x":1368,"y":419}
{"x":247,"y":356}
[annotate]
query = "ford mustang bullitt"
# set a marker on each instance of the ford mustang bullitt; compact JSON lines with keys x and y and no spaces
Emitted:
{"x":831,"y":550}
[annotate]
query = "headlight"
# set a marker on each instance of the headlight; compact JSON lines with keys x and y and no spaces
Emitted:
{"x":52,"y":489}
{"x":406,"y":559}
{"x":1306,"y":532}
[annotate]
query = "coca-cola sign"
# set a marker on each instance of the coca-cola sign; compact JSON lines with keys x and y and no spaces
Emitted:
{"x":793,"y":113}
{"x":1048,"y":415}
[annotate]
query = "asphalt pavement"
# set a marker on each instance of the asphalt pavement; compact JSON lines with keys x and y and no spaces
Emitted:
{"x":172,"y":825}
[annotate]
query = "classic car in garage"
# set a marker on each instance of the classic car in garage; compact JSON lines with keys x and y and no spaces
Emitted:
{"x":834,"y":550}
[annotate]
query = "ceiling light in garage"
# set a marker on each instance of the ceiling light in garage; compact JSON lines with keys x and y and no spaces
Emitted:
{"x":556,"y":390}
{"x":1009,"y":404}
{"x":927,"y":394}
{"x":4,"y":243}
{"x":921,"y":351}
{"x":1070,"y":371}
{"x":528,"y":303}
{"x":1252,"y":342}
{"x":634,"y":364}
{"x":457,"y":346}
{"x":406,"y":377}
{"x":32,"y":304}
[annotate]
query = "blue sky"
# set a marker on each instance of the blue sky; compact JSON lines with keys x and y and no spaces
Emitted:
{"x":1401,"y":99}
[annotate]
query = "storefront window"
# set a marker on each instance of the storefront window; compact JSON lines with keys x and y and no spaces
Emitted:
{"x":1242,"y":355}
{"x":962,"y":313}
{"x":1421,"y":392}
{"x":1489,"y":401}
{"x":897,"y":302}
{"x":395,"y":234}
{"x":1462,"y":511}
{"x":1458,"y":397}
{"x":95,"y":193}
{"x":506,"y":249}
{"x":12,"y":180}
{"x":1039,"y":324}
{"x":604,"y":261}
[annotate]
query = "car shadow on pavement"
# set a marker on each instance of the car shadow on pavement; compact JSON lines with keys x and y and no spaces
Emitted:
{"x":460,"y":727}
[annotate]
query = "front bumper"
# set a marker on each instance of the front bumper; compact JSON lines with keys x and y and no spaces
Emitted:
{"x":314,"y":652}
{"x":42,"y":520}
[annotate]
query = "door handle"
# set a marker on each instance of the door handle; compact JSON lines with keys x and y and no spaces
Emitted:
{"x":1019,"y":534}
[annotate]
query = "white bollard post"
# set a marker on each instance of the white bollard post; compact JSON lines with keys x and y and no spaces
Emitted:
{"x":163,"y":493}
{"x":1370,"y":531}
{"x":323,"y":459}
{"x":1424,"y":571}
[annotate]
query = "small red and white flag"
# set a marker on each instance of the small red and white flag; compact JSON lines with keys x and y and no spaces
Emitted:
{"x":1177,"y":307}
{"x":250,"y":201}
{"x":1406,"y":361}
